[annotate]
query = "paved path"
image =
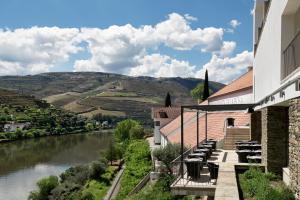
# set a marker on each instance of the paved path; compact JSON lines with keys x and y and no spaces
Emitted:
{"x":115,"y":186}
{"x":227,"y":188}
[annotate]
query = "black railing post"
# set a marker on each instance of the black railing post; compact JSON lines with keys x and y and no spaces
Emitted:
{"x":182,"y":142}
{"x":197,"y":128}
{"x":206,"y":126}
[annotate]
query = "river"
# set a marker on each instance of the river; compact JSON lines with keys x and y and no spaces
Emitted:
{"x":23,"y":163}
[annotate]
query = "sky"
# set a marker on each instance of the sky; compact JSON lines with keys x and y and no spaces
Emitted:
{"x":160,"y":38}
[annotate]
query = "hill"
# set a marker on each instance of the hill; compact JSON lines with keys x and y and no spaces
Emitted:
{"x":90,"y":93}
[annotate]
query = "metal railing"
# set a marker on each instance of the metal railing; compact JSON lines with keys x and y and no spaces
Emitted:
{"x":179,"y":171}
{"x":291,"y":57}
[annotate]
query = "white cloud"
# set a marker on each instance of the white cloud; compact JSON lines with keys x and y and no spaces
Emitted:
{"x":162,"y":66}
{"x":234,"y":23}
{"x":122,"y":49}
{"x":115,"y":49}
{"x":227,"y":48}
{"x":225,"y":69}
{"x":35,"y":50}
{"x":190,"y":18}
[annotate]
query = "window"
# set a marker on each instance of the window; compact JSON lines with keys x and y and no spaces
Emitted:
{"x":163,"y":114}
{"x":157,"y":123}
{"x":230,"y":121}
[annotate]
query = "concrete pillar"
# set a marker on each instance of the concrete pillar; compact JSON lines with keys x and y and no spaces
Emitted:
{"x":294,"y":146}
{"x":255,"y":126}
{"x":275,"y":138}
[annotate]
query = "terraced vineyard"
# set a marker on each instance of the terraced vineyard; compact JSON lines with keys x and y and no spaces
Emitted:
{"x":90,"y":93}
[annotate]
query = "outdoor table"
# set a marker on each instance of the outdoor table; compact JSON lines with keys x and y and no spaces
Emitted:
{"x":254,"y":159}
{"x":255,"y":146}
{"x":209,"y":147}
{"x":206,"y":146}
{"x":214,"y":143}
{"x":194,"y":166}
{"x":198,"y":155}
{"x":242,"y":142}
{"x":206,"y":151}
{"x":242,"y":154}
{"x":243,"y":146}
{"x":255,"y":152}
{"x":213,"y":169}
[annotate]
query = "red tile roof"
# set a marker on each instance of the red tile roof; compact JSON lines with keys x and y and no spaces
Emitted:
{"x":215,"y":126}
{"x":243,"y":82}
{"x":172,"y":112}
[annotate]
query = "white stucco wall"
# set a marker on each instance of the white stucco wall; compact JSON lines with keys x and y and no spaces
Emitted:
{"x":241,"y":97}
{"x":268,"y":58}
{"x":157,"y":134}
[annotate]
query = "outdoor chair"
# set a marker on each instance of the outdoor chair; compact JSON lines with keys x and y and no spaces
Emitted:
{"x":194,"y":167}
{"x":213,"y":170}
{"x":242,"y":154}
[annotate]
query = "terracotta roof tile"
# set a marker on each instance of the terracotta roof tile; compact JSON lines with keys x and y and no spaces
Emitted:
{"x":215,"y":126}
{"x":243,"y":82}
{"x":172,"y":112}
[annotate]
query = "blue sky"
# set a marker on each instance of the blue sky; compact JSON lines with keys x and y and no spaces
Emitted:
{"x":102,"y":14}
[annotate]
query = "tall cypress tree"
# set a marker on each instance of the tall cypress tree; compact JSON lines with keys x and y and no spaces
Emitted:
{"x":206,"y":87}
{"x":168,"y":100}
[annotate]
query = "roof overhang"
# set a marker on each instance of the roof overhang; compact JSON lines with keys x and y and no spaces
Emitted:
{"x":224,"y":107}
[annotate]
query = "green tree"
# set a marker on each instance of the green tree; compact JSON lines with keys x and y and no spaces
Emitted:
{"x":167,"y":154}
{"x":122,"y":131}
{"x":197,"y":92}
{"x":113,"y":152}
{"x":206,"y":87}
{"x":168,"y":102}
{"x":45,"y":186}
{"x":137,"y":132}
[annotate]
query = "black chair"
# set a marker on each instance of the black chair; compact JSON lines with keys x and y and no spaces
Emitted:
{"x":194,"y":166}
{"x":214,"y":142}
{"x":242,"y":154}
{"x":213,"y":170}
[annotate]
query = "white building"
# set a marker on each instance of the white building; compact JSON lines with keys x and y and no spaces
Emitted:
{"x":162,"y":116}
{"x":276,"y":78}
{"x":239,"y":91}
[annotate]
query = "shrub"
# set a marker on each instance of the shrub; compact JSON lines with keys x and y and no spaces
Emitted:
{"x":138,"y":164}
{"x":257,"y":185}
{"x":114,"y":151}
{"x":78,"y":175}
{"x":158,"y":191}
{"x":96,"y":169}
{"x":136,"y":132}
{"x":122,"y":131}
{"x":45,"y":186}
{"x":167,"y":154}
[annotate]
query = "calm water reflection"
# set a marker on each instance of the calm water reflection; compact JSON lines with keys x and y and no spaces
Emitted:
{"x":22,"y":163}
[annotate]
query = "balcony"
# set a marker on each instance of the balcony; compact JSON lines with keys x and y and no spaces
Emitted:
{"x":291,"y":57}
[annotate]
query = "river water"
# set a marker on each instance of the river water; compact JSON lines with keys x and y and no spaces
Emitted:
{"x":23,"y":163}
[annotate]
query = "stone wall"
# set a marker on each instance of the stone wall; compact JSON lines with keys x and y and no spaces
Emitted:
{"x":275,"y":123}
{"x":294,"y":145}
{"x":255,"y":126}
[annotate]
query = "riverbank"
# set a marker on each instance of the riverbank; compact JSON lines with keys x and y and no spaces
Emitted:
{"x":24,"y":162}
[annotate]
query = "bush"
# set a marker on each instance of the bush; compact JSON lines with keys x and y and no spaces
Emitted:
{"x":167,"y":154}
{"x":136,"y":132}
{"x":122,"y":131}
{"x":114,"y":152}
{"x":158,"y":191}
{"x":138,"y":164}
{"x":257,"y":185}
{"x":78,"y":175}
{"x":96,"y":169}
{"x":45,"y":186}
